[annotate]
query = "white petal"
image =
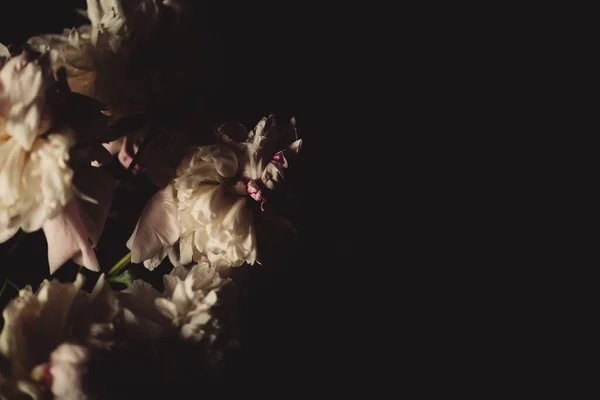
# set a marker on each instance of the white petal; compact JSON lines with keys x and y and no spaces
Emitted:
{"x":296,"y":146}
{"x":167,"y":308}
{"x":4,"y":52}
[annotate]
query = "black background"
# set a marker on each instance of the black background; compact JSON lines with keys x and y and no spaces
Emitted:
{"x":280,"y":58}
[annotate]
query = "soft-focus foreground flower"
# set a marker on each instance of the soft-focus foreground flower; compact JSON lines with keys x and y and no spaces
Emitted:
{"x":38,"y":186}
{"x":120,"y":57}
{"x":184,"y":307}
{"x":65,"y":373}
{"x":203,"y":211}
{"x":47,"y":335}
{"x":4,"y":54}
{"x":35,"y":180}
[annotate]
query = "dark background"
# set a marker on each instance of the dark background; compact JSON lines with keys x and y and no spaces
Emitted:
{"x":274,"y":58}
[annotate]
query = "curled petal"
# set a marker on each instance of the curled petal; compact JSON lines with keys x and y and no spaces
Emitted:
{"x":272,"y":173}
{"x":232,"y":133}
{"x":156,"y":259}
{"x":214,"y":163}
{"x":296,"y":146}
{"x":23,"y":83}
{"x":261,"y":151}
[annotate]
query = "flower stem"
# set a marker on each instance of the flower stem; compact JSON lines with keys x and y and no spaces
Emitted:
{"x":12,"y":284}
{"x":120,"y":265}
{"x":7,"y":282}
{"x":3,"y":287}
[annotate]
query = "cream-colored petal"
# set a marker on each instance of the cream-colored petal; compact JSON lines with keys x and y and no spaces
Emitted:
{"x":4,"y":52}
{"x":68,"y":362}
{"x":12,"y":164}
{"x":167,"y":308}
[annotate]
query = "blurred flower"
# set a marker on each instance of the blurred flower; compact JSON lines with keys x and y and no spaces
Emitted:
{"x":4,"y":54}
{"x":120,"y":57}
{"x":185,"y":304}
{"x":65,"y":373}
{"x":37,"y":179}
{"x":37,"y":324}
{"x":24,"y":80}
{"x":34,"y":185}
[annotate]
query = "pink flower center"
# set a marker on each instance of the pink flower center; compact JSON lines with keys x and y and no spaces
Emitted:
{"x":254,"y":191}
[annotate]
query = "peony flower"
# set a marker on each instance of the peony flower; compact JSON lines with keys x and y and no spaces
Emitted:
{"x":203,"y":211}
{"x":35,"y":181}
{"x":38,"y":185}
{"x":185,"y":304}
{"x":197,"y":214}
{"x":65,"y":373}
{"x":38,"y":325}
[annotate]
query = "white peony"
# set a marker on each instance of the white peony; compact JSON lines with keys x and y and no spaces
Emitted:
{"x":34,"y":185}
{"x":65,"y":372}
{"x":36,"y":326}
{"x":37,"y":188}
{"x":184,"y":306}
{"x":35,"y":180}
{"x":197,"y":214}
{"x":203,"y":211}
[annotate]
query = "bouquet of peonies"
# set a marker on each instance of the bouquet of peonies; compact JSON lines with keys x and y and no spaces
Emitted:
{"x":82,"y":113}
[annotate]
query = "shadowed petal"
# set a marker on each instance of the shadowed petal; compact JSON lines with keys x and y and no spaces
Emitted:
{"x":156,"y":228}
{"x":100,"y":186}
{"x":67,"y":238}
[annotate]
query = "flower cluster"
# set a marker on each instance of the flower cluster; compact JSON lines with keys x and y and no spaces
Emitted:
{"x":83,"y":113}
{"x":54,"y":337}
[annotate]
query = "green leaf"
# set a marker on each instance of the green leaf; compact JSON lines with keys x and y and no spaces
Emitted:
{"x":125,"y":278}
